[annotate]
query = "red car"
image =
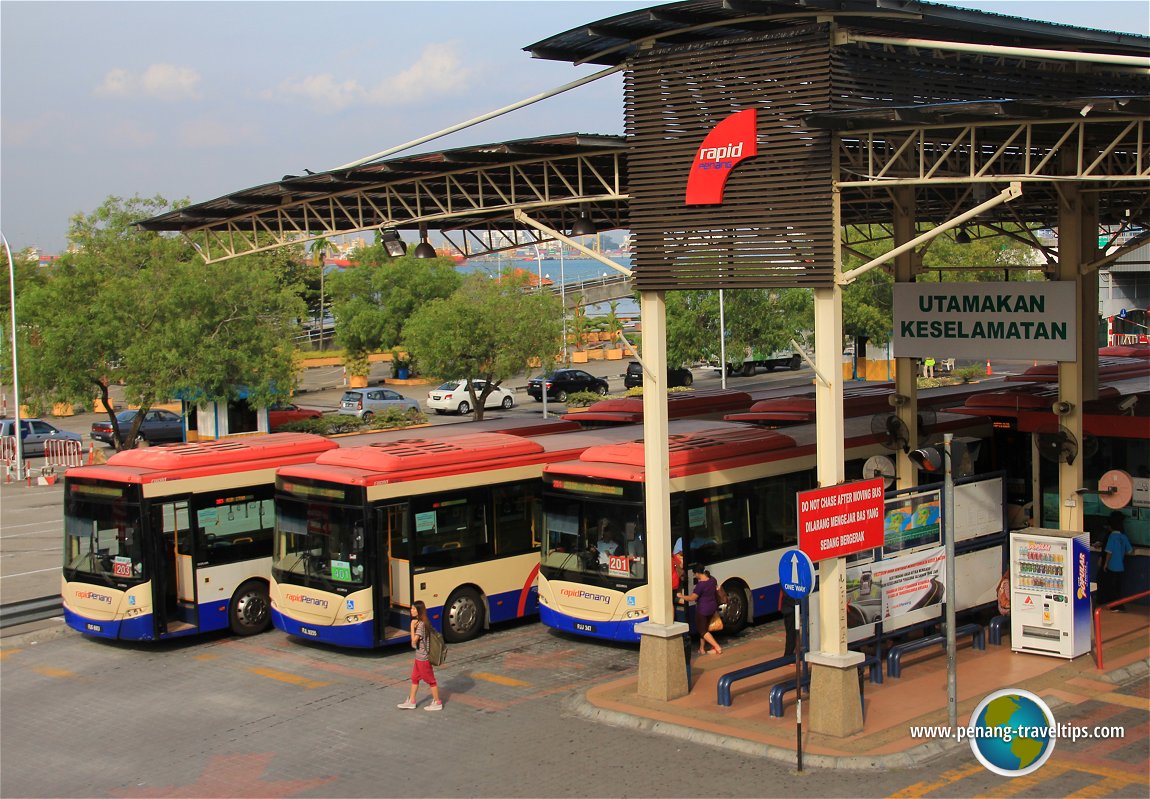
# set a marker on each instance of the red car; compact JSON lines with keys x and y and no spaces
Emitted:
{"x":284,"y":412}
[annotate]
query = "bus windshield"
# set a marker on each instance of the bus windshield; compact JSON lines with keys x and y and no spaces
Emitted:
{"x":320,"y":543}
{"x":103,"y":538}
{"x":594,"y":538}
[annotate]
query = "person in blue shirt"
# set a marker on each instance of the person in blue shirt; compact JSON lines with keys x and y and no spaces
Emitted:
{"x":1117,"y":547}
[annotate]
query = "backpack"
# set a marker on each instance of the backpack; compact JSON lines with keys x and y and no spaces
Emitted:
{"x":436,"y":647}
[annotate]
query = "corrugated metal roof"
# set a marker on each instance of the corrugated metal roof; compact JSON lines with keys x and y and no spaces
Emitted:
{"x":614,"y":40}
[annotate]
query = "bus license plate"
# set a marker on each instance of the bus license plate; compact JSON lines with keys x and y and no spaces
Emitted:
{"x":309,"y":631}
{"x":584,"y":627}
{"x":94,"y":628}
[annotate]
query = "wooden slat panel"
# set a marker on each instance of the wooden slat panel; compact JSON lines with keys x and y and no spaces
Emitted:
{"x":774,"y":228}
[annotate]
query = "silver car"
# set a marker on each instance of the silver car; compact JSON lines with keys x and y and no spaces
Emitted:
{"x":33,"y":434}
{"x":366,"y":402}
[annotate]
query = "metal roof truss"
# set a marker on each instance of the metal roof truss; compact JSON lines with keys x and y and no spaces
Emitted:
{"x":477,"y":201}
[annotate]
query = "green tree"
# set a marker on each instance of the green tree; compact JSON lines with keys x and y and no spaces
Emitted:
{"x":28,"y":274}
{"x":487,"y":330}
{"x":758,"y":319}
{"x":372,"y":301}
{"x":868,"y":302}
{"x":142,"y":309}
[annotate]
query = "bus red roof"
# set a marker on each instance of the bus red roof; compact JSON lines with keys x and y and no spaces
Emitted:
{"x":694,"y":447}
{"x":202,"y":458}
{"x":422,"y":453}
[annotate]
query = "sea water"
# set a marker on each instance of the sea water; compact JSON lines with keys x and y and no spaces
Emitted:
{"x":570,"y":273}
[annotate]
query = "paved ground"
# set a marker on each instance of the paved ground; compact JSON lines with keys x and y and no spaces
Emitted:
{"x":529,"y":713}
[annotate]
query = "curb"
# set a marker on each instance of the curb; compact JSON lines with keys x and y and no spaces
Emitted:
{"x":580,"y":706}
{"x":914,"y":757}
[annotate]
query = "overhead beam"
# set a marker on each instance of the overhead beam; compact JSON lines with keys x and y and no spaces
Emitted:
{"x":1012,"y":192}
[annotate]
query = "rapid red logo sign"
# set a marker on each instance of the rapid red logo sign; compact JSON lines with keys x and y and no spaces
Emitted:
{"x":841,"y":519}
{"x":728,"y":143}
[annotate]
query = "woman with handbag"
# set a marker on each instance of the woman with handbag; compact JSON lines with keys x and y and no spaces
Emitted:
{"x":707,"y":619}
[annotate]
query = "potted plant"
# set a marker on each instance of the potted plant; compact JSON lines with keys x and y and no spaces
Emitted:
{"x":357,"y":367}
{"x":400,"y":365}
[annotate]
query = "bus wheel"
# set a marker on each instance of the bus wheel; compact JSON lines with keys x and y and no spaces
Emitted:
{"x":736,"y":615}
{"x":462,"y":616}
{"x":250,"y":609}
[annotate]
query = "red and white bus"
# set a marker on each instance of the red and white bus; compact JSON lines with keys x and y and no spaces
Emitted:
{"x":732,"y":508}
{"x":169,"y":541}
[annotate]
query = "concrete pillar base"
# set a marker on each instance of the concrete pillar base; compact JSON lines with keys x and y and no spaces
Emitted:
{"x":836,"y":708}
{"x":662,"y":665}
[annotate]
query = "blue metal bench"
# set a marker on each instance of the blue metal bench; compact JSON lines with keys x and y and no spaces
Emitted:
{"x":997,"y":625}
{"x":894,"y":656}
{"x":724,"y":689}
{"x":779,"y":691}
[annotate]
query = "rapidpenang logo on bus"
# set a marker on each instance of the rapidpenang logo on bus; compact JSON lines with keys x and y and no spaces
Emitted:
{"x":306,"y":600}
{"x":578,"y":593}
{"x":107,"y":600}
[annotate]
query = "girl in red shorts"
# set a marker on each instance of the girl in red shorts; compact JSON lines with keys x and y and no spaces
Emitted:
{"x":421,"y":669}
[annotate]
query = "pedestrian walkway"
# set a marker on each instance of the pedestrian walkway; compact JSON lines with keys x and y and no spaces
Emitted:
{"x":1115,"y":695}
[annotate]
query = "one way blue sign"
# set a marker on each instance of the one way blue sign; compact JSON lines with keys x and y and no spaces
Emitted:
{"x":796,"y":574}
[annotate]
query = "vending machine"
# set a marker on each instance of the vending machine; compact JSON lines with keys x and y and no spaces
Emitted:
{"x":1050,"y":592}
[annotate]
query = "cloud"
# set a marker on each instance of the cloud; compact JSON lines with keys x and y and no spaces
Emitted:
{"x":438,"y":72}
{"x":166,"y":82}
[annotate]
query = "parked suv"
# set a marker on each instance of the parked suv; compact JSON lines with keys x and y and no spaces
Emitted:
{"x":366,"y":402}
{"x":33,"y":433}
{"x":675,"y":376}
{"x":562,"y":382}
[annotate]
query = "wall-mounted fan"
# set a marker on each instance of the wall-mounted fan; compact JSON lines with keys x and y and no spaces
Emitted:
{"x":879,"y":466}
{"x":1060,"y":447}
{"x":891,"y":430}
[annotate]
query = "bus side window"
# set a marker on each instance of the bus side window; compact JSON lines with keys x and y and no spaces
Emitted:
{"x":235,"y":531}
{"x":514,"y":507}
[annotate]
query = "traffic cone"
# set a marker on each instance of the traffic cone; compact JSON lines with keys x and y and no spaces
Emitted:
{"x":989,"y":371}
{"x":91,"y":453}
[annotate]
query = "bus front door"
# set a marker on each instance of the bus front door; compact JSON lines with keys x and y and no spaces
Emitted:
{"x":174,"y":592}
{"x":393,"y":591}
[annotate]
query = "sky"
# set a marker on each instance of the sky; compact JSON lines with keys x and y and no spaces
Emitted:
{"x":198,"y":99}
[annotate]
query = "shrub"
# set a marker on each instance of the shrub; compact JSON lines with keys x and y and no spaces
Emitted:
{"x":968,"y":373}
{"x":581,"y":399}
{"x":637,"y":391}
{"x":395,"y":417}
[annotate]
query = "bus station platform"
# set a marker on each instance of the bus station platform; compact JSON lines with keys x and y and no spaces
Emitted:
{"x":1077,"y":692}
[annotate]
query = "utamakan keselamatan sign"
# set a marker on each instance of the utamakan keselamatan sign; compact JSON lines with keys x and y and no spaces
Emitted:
{"x":1012,"y":321}
{"x":842,"y":519}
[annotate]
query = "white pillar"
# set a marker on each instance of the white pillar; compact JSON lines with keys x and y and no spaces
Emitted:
{"x":662,"y":667}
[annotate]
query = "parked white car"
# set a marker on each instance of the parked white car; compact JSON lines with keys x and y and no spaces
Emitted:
{"x":453,"y":397}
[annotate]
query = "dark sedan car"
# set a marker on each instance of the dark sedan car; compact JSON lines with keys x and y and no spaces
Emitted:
{"x":159,"y":426}
{"x":562,"y":382}
{"x":675,"y":376}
